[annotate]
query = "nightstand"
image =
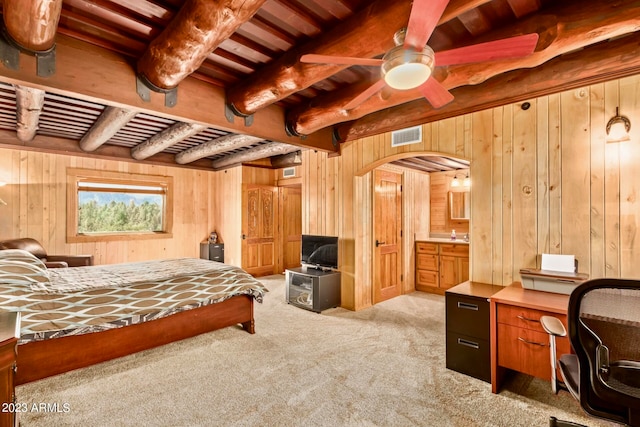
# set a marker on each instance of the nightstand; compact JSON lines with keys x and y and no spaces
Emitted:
{"x":9,"y":334}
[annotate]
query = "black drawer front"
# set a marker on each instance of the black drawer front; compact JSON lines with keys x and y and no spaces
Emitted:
{"x":468,"y":316}
{"x":469,"y":356}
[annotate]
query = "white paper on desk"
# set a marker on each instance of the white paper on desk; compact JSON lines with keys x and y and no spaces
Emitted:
{"x":564,"y":263}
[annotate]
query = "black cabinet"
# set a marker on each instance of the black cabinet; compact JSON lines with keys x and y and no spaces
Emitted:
{"x":312,"y":289}
{"x":212,"y":251}
{"x":468,"y":329}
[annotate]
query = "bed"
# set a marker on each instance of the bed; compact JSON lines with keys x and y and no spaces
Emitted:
{"x":78,"y":316}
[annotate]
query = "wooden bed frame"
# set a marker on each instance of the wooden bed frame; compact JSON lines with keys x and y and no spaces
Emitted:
{"x":41,"y":359}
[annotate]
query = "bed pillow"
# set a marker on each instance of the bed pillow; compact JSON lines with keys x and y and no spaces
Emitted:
{"x":22,"y":268}
{"x":21,"y":255}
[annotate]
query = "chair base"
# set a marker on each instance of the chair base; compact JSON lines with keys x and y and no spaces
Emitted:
{"x":554,"y":422}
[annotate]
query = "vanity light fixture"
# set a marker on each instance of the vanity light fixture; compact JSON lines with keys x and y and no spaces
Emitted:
{"x":466,"y":182}
{"x":618,"y":128}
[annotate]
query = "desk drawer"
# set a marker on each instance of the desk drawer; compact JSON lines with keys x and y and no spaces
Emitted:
{"x":469,"y":355}
{"x":467,"y":315}
{"x":525,"y":318}
{"x":527,"y":351}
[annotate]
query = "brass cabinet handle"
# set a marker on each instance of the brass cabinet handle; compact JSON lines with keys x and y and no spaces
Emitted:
{"x":526,"y":319}
{"x":531,"y":342}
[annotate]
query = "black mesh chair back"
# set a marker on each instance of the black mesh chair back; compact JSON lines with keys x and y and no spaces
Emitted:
{"x":604,"y":330}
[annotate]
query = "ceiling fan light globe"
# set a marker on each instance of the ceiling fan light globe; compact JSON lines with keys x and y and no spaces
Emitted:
{"x":405,"y":69}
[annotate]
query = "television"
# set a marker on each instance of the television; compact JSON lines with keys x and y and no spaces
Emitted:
{"x":319,"y":251}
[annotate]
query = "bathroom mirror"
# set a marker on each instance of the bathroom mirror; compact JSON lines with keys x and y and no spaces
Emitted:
{"x":459,"y":205}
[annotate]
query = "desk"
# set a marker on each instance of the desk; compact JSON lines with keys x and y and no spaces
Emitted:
{"x":518,"y":341}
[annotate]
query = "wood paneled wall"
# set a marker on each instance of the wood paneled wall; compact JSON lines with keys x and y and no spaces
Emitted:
{"x":36,"y":206}
{"x":544,"y":180}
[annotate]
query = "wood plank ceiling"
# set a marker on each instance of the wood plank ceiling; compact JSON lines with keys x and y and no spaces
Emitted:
{"x":213,"y":84}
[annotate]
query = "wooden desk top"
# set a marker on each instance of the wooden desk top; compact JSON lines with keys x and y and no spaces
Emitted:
{"x":475,"y":289}
{"x":515,"y":294}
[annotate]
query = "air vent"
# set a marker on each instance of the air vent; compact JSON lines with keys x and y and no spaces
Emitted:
{"x":288,"y":172}
{"x":406,"y":136}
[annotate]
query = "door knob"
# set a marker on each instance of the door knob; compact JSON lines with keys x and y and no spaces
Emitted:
{"x":379,"y":243}
{"x":244,"y":236}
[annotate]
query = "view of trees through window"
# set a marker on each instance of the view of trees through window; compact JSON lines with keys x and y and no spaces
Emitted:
{"x":121,"y":211}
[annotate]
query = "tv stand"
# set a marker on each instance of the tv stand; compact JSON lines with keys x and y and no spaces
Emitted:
{"x":312,"y":288}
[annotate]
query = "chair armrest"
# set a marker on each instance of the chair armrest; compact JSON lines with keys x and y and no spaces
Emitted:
{"x":56,"y":264}
{"x":73,"y":260}
{"x":553,"y":326}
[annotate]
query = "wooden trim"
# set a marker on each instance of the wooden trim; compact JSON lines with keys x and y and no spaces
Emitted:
{"x":74,"y":175}
{"x":41,"y":359}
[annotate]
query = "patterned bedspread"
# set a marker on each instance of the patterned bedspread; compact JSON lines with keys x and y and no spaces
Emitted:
{"x":80,"y":300}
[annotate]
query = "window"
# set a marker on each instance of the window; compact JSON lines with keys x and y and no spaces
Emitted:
{"x":107,"y":205}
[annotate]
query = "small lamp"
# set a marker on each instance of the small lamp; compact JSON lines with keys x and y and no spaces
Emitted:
{"x":618,"y":128}
{"x":467,"y":181}
{"x":455,"y":182}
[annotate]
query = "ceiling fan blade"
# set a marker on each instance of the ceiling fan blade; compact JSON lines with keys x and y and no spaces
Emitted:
{"x":513,"y":47}
{"x":423,"y":19}
{"x":436,"y":94}
{"x":345,"y":60}
{"x":364,"y":95}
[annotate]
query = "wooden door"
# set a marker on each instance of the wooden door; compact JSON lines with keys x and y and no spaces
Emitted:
{"x":259,"y":229}
{"x":387,"y":234}
{"x":291,"y":217}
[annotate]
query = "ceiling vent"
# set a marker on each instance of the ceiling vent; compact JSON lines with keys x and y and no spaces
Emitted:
{"x":406,"y":136}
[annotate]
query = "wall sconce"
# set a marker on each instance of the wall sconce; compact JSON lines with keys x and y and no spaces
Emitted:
{"x":2,"y":202}
{"x":618,"y":128}
{"x":466,"y":182}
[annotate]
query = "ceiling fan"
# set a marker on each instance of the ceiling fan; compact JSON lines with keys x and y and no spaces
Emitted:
{"x":410,"y":63}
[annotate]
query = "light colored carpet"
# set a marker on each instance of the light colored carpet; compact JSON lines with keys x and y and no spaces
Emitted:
{"x":382,"y":366}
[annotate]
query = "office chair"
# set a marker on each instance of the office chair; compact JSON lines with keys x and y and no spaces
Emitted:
{"x":604,"y":330}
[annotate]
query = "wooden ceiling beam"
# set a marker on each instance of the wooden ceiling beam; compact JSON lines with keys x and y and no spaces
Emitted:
{"x":562,"y":29}
{"x":260,"y":152}
{"x":97,"y":75}
{"x":603,"y":62}
{"x":216,"y":146}
{"x":287,"y":160}
{"x":198,"y":28}
{"x":108,"y":124}
{"x":66,"y":146}
{"x":165,"y":139}
{"x":29,"y":103}
{"x":32,"y":24}
{"x":287,"y":75}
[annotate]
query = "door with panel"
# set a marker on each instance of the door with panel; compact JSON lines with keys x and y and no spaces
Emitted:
{"x":259,"y":229}
{"x":291,"y":218}
{"x":387,"y":231}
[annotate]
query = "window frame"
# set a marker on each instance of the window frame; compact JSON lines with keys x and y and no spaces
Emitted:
{"x":76,"y":175}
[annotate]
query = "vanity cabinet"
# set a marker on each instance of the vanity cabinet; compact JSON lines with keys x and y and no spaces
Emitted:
{"x":439,"y":266}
